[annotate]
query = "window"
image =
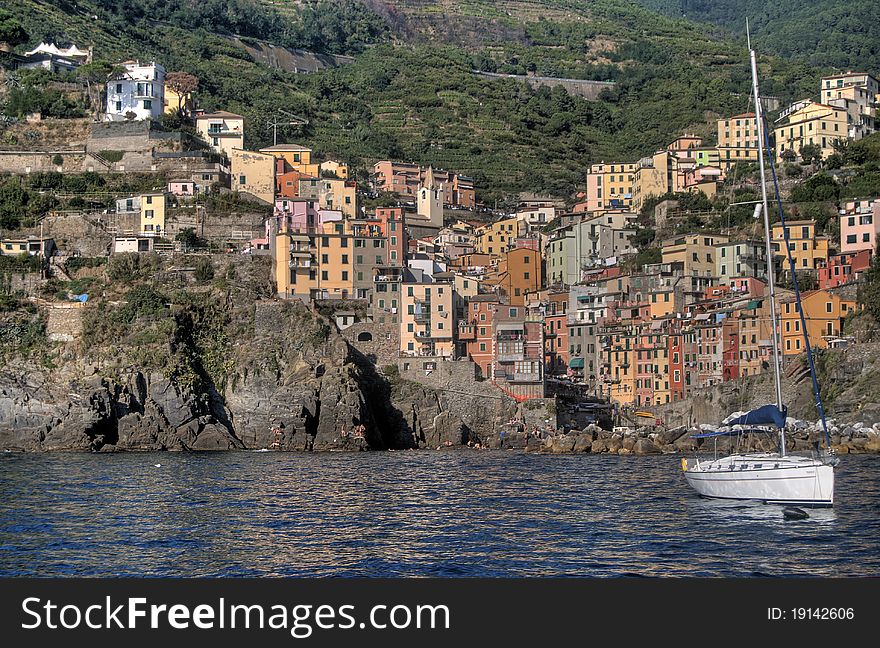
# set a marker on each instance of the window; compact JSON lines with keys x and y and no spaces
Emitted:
{"x":242,"y":180}
{"x":345,"y":259}
{"x":118,"y":106}
{"x":324,"y":275}
{"x":345,"y":275}
{"x":118,"y":89}
{"x":148,"y":104}
{"x":829,"y":307}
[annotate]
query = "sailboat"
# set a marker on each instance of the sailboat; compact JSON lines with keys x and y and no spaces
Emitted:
{"x":770,"y":477}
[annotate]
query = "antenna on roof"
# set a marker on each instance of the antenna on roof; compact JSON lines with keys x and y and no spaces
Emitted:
{"x":275,"y":122}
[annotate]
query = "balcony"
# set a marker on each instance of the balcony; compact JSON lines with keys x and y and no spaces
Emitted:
{"x":511,"y":357}
{"x":422,"y":316}
{"x":300,"y":261}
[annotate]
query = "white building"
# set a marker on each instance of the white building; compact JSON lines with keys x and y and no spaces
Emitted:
{"x":139,"y":91}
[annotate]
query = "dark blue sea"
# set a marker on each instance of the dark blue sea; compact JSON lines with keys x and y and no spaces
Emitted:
{"x":463,"y":513}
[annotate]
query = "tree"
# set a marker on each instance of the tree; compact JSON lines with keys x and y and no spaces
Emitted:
{"x":869,"y":291}
{"x":188,"y":237}
{"x":811,"y":153}
{"x":11,"y":31}
{"x":788,"y":155}
{"x":94,"y":75}
{"x":183,"y":83}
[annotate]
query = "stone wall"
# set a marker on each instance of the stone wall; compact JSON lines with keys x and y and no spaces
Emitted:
{"x":383,"y":344}
{"x":23,"y":162}
{"x":24,"y":282}
{"x":65,"y":321}
{"x":589,"y":90}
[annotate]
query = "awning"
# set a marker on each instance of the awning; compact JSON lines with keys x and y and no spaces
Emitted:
{"x":576,"y":363}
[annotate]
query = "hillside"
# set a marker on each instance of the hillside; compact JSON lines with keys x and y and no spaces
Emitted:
{"x":411,"y":92}
{"x":827,"y":33}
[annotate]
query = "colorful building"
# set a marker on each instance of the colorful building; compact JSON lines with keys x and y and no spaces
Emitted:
{"x":518,"y":360}
{"x":824,"y":313}
{"x":843,"y":268}
{"x":223,"y":131}
{"x":610,"y":186}
{"x":427,"y":326}
{"x":696,"y":252}
{"x":738,"y":140}
{"x":254,"y":173}
{"x":519,"y":272}
{"x":859,"y":224}
{"x":813,"y":124}
{"x":153,"y":214}
{"x":808,"y":249}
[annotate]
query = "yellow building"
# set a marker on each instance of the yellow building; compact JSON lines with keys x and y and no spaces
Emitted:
{"x":298,"y":158}
{"x":619,"y":369}
{"x":174,"y":99}
{"x":662,"y":302}
{"x":495,"y":239}
{"x":427,"y":320}
{"x":824,"y":313}
{"x":254,"y":173}
{"x":655,"y":176}
{"x":153,"y":214}
{"x":332,"y":167}
{"x":807,"y":248}
{"x":696,"y":251}
{"x":296,"y":269}
{"x":224,"y":131}
{"x":813,"y":124}
{"x":738,"y":140}
{"x":335,"y":256}
{"x":331,"y":193}
{"x":610,"y":186}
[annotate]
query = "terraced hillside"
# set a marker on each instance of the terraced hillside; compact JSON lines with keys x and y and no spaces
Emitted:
{"x":411,"y":93}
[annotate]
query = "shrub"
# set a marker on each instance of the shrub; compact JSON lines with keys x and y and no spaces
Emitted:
{"x":111,"y":156}
{"x":204,"y":269}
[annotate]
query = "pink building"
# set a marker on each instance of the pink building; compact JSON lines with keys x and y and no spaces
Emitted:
{"x":296,"y":215}
{"x":843,"y":268}
{"x":858,"y":225}
{"x":182,"y":187}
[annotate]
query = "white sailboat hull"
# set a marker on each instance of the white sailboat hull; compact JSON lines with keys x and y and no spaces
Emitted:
{"x":764,"y":477}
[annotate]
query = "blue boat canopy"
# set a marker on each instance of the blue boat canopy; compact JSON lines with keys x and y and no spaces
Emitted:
{"x":766,"y":415}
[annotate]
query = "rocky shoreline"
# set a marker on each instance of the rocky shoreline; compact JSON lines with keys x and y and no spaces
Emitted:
{"x":801,"y":436}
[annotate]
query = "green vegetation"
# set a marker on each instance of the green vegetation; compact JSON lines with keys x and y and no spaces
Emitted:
{"x":412,"y":95}
{"x":111,"y":156}
{"x":76,"y":263}
{"x":828,"y":33}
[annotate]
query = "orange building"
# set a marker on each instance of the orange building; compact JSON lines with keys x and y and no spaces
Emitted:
{"x":519,"y":272}
{"x":556,"y":350}
{"x":824,"y":313}
{"x":475,"y":331}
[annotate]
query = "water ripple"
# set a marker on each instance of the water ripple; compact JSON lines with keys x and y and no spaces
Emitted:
{"x":457,"y":514}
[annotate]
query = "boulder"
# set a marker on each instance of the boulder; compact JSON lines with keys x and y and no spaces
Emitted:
{"x":214,"y":436}
{"x":614,"y":444}
{"x":583,"y":443}
{"x":645,"y":447}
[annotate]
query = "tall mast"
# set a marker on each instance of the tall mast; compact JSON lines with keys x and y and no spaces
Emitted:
{"x":771,"y":266}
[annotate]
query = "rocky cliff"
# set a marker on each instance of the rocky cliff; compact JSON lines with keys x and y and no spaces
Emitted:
{"x":208,"y":370}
